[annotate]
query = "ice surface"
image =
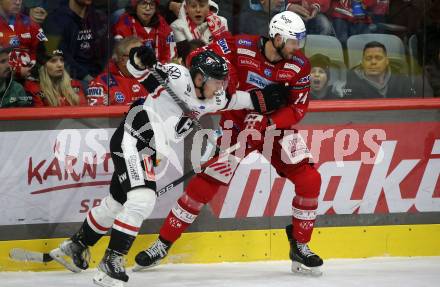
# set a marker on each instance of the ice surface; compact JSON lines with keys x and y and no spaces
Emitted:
{"x":373,"y":272}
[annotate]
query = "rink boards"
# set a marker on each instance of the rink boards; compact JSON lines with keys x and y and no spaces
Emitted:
{"x":367,"y":207}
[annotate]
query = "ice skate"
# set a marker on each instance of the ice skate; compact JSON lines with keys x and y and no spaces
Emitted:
{"x":152,"y":256}
{"x":111,"y":270}
{"x":78,"y":255}
{"x":304,"y":261}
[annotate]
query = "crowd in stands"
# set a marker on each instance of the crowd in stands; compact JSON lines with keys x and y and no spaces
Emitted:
{"x":74,"y":52}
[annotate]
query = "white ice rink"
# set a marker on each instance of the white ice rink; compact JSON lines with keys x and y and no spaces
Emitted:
{"x":375,"y":272}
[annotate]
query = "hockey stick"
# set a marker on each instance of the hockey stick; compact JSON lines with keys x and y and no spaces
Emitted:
{"x":20,"y":254}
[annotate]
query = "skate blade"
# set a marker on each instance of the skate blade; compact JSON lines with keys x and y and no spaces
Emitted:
{"x":299,"y":268}
{"x":140,"y":268}
{"x":58,"y":255}
{"x":104,"y":280}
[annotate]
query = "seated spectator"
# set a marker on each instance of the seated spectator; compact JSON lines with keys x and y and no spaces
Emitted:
{"x":313,"y":14}
{"x":374,"y":79}
{"x":12,"y":93}
{"x":82,"y":34}
{"x":22,"y":34}
{"x":350,"y":17}
{"x":117,"y":86}
{"x":141,"y":19}
{"x":36,"y":9}
{"x":54,"y":87}
{"x":196,"y":21}
{"x":254,"y":18}
{"x":320,"y":87}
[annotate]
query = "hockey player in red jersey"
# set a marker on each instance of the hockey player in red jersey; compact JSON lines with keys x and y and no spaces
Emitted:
{"x":143,"y":20}
{"x":261,"y":61}
{"x":22,"y":34}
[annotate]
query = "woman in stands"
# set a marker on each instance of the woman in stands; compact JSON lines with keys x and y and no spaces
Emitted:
{"x":54,"y":87}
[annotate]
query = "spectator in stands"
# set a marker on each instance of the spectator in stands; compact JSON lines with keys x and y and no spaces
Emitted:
{"x":36,"y":9}
{"x":54,"y":87}
{"x":313,"y":14}
{"x":141,"y":19}
{"x":320,"y":79}
{"x":23,"y":35}
{"x":374,"y":79}
{"x":196,"y":21}
{"x":350,"y":17}
{"x":254,"y":18}
{"x":82,"y":34}
{"x":12,"y":93}
{"x":117,"y":86}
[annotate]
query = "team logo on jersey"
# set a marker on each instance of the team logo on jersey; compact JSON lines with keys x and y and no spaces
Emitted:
{"x":41,"y":36}
{"x":257,"y":80}
{"x":26,"y":35}
{"x":246,"y":52}
{"x":298,"y":60}
{"x":293,"y":67}
{"x":174,"y":72}
{"x":244,"y":42}
{"x":224,"y":46}
{"x":183,"y":126}
{"x":248,"y":62}
{"x":14,"y":42}
{"x":119,"y":97}
{"x":135,"y":88}
{"x":268,"y":72}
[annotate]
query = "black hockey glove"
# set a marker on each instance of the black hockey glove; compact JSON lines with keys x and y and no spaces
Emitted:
{"x":272,"y":97}
{"x":145,"y":55}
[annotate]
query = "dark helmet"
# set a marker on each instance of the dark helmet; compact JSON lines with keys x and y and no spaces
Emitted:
{"x":209,"y":64}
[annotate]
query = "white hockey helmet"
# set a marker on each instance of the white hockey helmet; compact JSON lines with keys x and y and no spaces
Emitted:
{"x":289,"y":25}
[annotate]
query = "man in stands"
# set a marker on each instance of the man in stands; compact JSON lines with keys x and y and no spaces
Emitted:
{"x":117,"y":86}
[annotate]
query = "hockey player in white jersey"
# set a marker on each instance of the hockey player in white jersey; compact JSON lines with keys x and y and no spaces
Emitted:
{"x":144,"y":135}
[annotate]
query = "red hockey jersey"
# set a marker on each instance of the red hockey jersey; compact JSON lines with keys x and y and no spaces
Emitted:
{"x":255,"y":71}
{"x":160,"y":37}
{"x":114,"y":88}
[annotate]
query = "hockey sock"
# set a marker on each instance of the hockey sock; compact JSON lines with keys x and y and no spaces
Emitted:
{"x":120,"y":242}
{"x":184,"y":212}
{"x":86,"y":235}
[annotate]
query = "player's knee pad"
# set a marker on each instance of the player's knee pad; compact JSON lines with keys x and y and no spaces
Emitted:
{"x":141,"y":201}
{"x":202,"y":188}
{"x":307,"y":180}
{"x":101,"y":217}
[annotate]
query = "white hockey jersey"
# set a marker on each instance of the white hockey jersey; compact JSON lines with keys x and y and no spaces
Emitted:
{"x":167,"y":119}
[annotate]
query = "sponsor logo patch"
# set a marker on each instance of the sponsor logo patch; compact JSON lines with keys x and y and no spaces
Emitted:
{"x":284,"y":75}
{"x":268,"y":72}
{"x":257,"y":80}
{"x":224,"y":46}
{"x":293,"y":67}
{"x":95,"y":91}
{"x":248,"y":62}
{"x":244,"y":42}
{"x":119,"y":97}
{"x":246,"y":52}
{"x":136,"y":88}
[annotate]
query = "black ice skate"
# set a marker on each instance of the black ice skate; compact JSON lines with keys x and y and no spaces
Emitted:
{"x":304,"y":261}
{"x":152,"y":256}
{"x":78,"y":253}
{"x":111,"y":270}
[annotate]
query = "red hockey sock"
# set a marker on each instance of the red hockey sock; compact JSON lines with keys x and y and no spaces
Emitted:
{"x":184,"y":213}
{"x":304,"y":216}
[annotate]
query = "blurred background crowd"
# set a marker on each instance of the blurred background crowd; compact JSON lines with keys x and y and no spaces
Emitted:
{"x":74,"y":52}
